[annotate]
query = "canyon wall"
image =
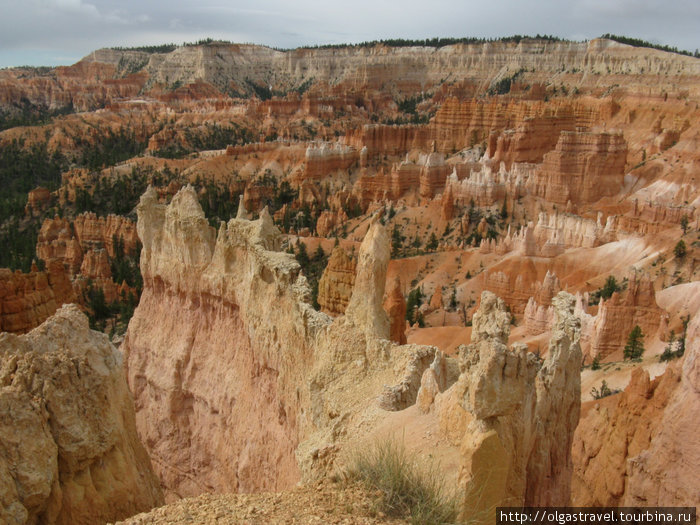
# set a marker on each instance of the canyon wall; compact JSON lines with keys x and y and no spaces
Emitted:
{"x":641,"y":447}
{"x":68,"y":242}
{"x":69,"y":451}
{"x":582,"y":168}
{"x":337,"y":281}
{"x":635,"y":306}
{"x":224,"y":334}
{"x":221,"y":336}
{"x":107,"y":75}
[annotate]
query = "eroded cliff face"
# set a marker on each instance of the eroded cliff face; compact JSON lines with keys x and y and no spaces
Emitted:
{"x":641,"y":447}
{"x":216,"y":350}
{"x":635,"y":306}
{"x":69,"y":451}
{"x":241,"y":386}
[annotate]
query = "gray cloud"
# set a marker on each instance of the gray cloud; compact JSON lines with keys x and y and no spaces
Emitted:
{"x":53,"y":32}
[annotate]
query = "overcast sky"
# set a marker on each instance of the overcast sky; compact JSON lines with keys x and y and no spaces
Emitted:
{"x":52,"y":32}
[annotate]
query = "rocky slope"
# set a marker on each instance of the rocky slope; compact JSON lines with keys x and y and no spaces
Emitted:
{"x":69,"y":452}
{"x":641,"y":447}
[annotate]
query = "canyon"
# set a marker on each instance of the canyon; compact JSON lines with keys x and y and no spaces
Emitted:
{"x":245,"y":264}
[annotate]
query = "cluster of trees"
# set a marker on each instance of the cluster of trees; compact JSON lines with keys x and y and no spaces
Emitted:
{"x":102,"y":314}
{"x":168,"y":48}
{"x":23,"y":168}
{"x":125,"y":268}
{"x":208,"y":137}
{"x":312,"y":267}
{"x":125,"y":265}
{"x":109,"y":147}
{"x":503,"y":86}
{"x":604,"y":391}
{"x":605,"y":292}
{"x":637,"y":42}
{"x":24,"y":113}
{"x":118,"y":194}
{"x":676,"y":347}
{"x":162,"y":48}
{"x":18,"y":244}
{"x":437,"y":42}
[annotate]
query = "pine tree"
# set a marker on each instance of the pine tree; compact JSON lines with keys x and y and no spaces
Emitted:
{"x":432,"y":243}
{"x":680,"y":249}
{"x":635,"y":343}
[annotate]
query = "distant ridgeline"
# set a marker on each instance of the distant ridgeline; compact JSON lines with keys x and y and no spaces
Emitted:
{"x":435,"y":42}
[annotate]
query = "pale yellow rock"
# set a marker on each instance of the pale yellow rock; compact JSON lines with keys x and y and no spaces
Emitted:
{"x":69,"y":452}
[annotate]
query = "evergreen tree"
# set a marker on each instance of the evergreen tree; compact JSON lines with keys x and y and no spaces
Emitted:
{"x":635,"y":344}
{"x":680,"y":249}
{"x":432,"y":243}
{"x":453,"y":299}
{"x":301,"y":255}
{"x":319,"y":254}
{"x":415,"y":299}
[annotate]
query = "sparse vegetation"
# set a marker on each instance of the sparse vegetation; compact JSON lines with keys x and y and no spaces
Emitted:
{"x":680,"y":250}
{"x":437,"y":41}
{"x":408,"y":489}
{"x":676,"y":348}
{"x":312,"y":267}
{"x":635,"y":344}
{"x":636,"y":42}
{"x":415,"y":299}
{"x":24,"y":113}
{"x":605,"y":292}
{"x":604,"y":391}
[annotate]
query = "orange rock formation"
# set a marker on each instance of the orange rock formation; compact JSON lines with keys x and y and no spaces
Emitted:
{"x":395,"y":306}
{"x":641,"y":447}
{"x":618,"y":315}
{"x":337,"y":281}
{"x":582,"y":168}
{"x":27,"y":300}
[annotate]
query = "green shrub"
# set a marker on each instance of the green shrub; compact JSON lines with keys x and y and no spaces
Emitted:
{"x":409,"y":490}
{"x":604,"y":391}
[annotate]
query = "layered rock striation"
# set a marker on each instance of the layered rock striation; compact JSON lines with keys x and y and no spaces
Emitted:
{"x":241,"y":386}
{"x":337,"y":281}
{"x":582,"y":168}
{"x":28,"y":299}
{"x":221,"y":336}
{"x":617,"y":316}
